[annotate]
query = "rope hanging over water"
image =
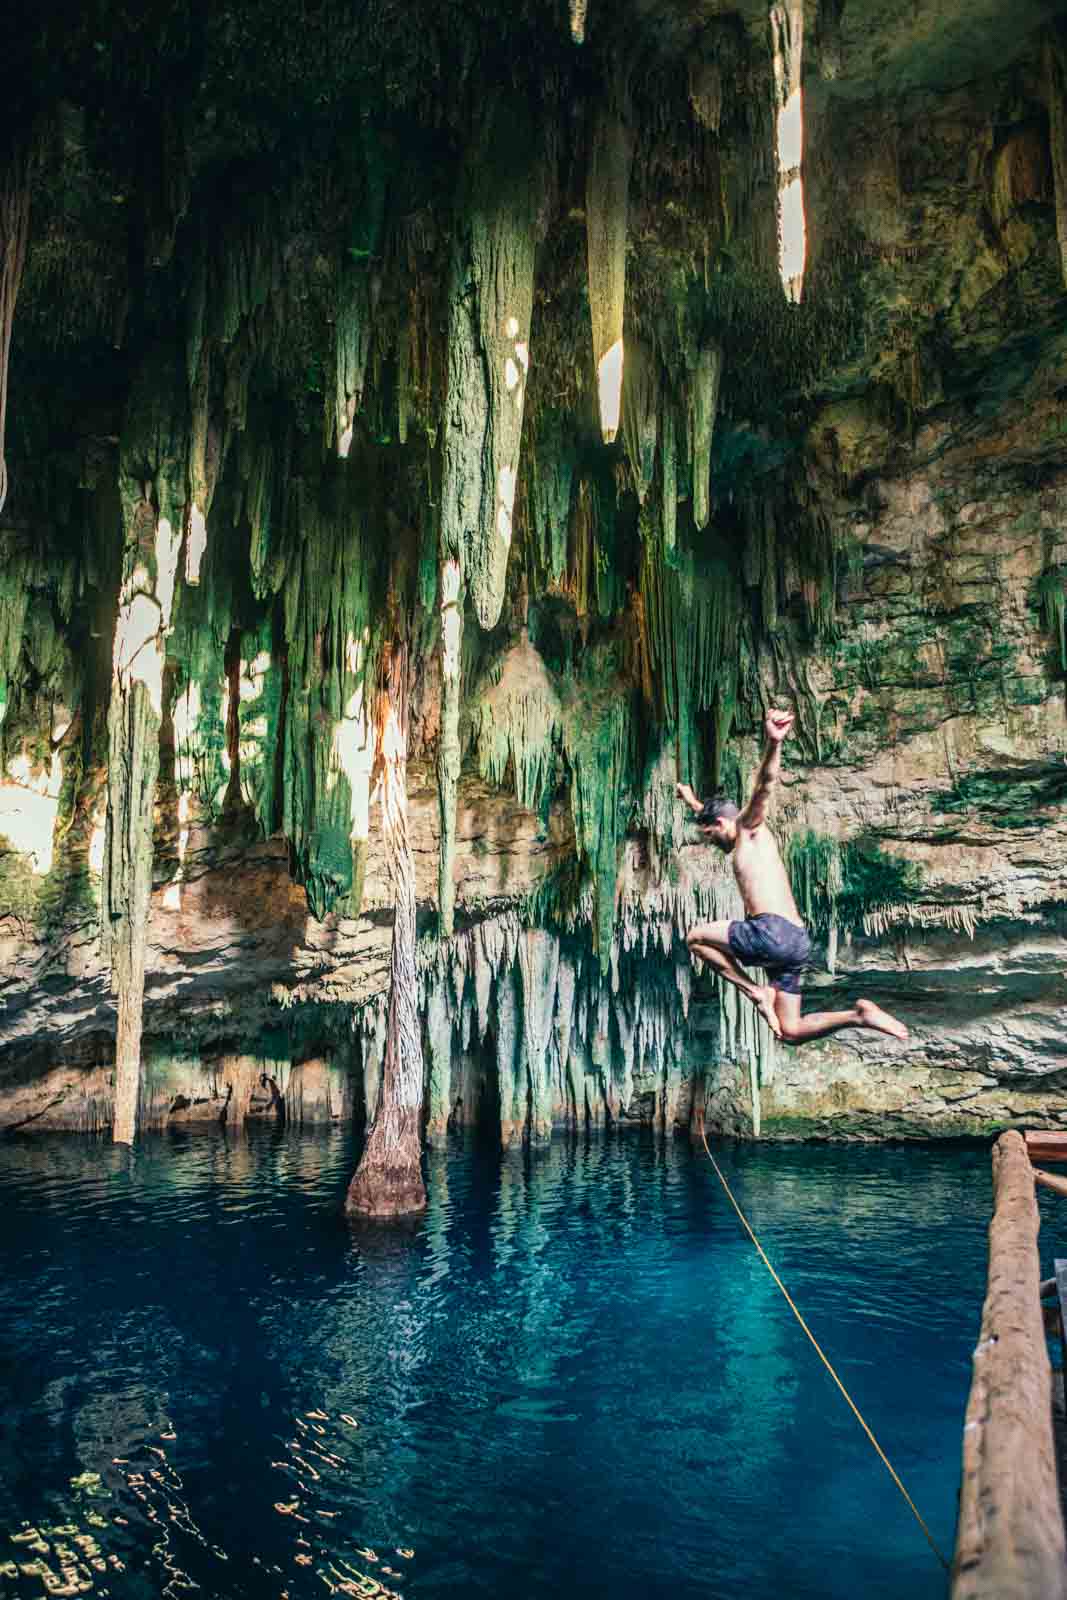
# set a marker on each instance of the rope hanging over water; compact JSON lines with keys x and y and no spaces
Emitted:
{"x":823,"y":1356}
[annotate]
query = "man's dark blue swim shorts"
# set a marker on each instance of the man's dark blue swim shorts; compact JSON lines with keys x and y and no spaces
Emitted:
{"x":774,"y":943}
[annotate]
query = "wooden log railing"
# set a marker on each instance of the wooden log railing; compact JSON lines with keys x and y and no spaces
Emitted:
{"x":1010,"y":1542}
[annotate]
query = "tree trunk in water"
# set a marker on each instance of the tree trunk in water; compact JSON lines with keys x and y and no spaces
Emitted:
{"x":388,"y":1181}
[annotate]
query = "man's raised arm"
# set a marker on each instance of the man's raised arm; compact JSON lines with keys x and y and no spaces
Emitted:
{"x":684,"y":792}
{"x":777,"y":725}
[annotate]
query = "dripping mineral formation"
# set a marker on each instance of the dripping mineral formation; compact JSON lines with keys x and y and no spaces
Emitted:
{"x":426,"y":438}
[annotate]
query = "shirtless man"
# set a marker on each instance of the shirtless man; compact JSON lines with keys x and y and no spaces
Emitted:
{"x":772,"y":935}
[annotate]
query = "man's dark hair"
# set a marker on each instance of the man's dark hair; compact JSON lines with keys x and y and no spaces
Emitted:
{"x":720,"y":805}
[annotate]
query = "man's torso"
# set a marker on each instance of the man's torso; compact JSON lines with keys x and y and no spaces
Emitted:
{"x":761,"y":875}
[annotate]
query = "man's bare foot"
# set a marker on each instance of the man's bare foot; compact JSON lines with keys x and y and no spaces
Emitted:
{"x":763,"y":1000}
{"x":872,"y":1016}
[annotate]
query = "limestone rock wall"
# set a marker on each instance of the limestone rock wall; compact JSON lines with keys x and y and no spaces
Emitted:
{"x":260,"y":413}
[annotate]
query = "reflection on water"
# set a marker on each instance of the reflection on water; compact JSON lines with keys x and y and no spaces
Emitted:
{"x":572,"y":1376}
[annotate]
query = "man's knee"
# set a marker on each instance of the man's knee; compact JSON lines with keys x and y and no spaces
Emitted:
{"x":788,"y":1012}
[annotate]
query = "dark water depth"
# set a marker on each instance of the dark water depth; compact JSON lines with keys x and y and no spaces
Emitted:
{"x":572,"y":1377}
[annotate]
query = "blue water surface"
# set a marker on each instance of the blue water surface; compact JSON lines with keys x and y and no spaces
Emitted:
{"x":571,"y":1377}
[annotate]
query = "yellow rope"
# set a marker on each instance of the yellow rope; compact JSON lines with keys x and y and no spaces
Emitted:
{"x":823,"y":1357}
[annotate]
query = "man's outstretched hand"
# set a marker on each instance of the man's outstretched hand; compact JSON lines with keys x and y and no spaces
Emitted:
{"x":684,"y":792}
{"x":778,"y":725}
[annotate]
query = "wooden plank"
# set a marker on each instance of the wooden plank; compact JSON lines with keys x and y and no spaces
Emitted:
{"x":1045,"y":1146}
{"x":1010,"y":1541}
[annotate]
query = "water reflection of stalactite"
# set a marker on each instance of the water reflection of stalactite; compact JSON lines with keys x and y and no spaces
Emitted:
{"x":436,"y":1224}
{"x":538,"y":1296}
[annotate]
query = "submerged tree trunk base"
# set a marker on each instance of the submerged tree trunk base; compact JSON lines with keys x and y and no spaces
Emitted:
{"x":388,"y":1181}
{"x":385,"y":1191}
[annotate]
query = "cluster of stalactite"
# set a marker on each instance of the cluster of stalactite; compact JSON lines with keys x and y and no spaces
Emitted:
{"x":527,"y":1034}
{"x":480,"y":326}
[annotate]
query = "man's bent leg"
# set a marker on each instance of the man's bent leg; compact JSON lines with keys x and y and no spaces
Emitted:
{"x":864,"y":1014}
{"x":709,"y":942}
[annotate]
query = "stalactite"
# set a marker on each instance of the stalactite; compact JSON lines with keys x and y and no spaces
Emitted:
{"x":1052,"y":593}
{"x":358,"y":279}
{"x":438,"y":1012}
{"x":262,"y":467}
{"x":705,"y":92}
{"x":640,"y":421}
{"x":704,"y":404}
{"x":578,"y":9}
{"x":1056,"y":98}
{"x":448,"y":745}
{"x":388,"y":1181}
{"x":517,"y":722}
{"x":563,"y":1028}
{"x":550,"y":492}
{"x":259,"y":725}
{"x":690,"y":644}
{"x":658,"y":807}
{"x":199,"y":688}
{"x":539,"y":966}
{"x":329,"y":629}
{"x":764,"y":544}
{"x":598,"y":734}
{"x":16,"y":571}
{"x":203,"y":467}
{"x":669,"y":471}
{"x":490,"y":306}
{"x":14,"y":237}
{"x":355,"y":318}
{"x":512,"y":1088}
{"x":746,"y":1036}
{"x":152,"y":462}
{"x":626,"y":1012}
{"x":607,"y":200}
{"x":787,"y":40}
{"x":571,"y":1042}
{"x":371,"y":1024}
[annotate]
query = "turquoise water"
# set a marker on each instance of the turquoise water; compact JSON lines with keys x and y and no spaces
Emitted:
{"x":571,"y":1377}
